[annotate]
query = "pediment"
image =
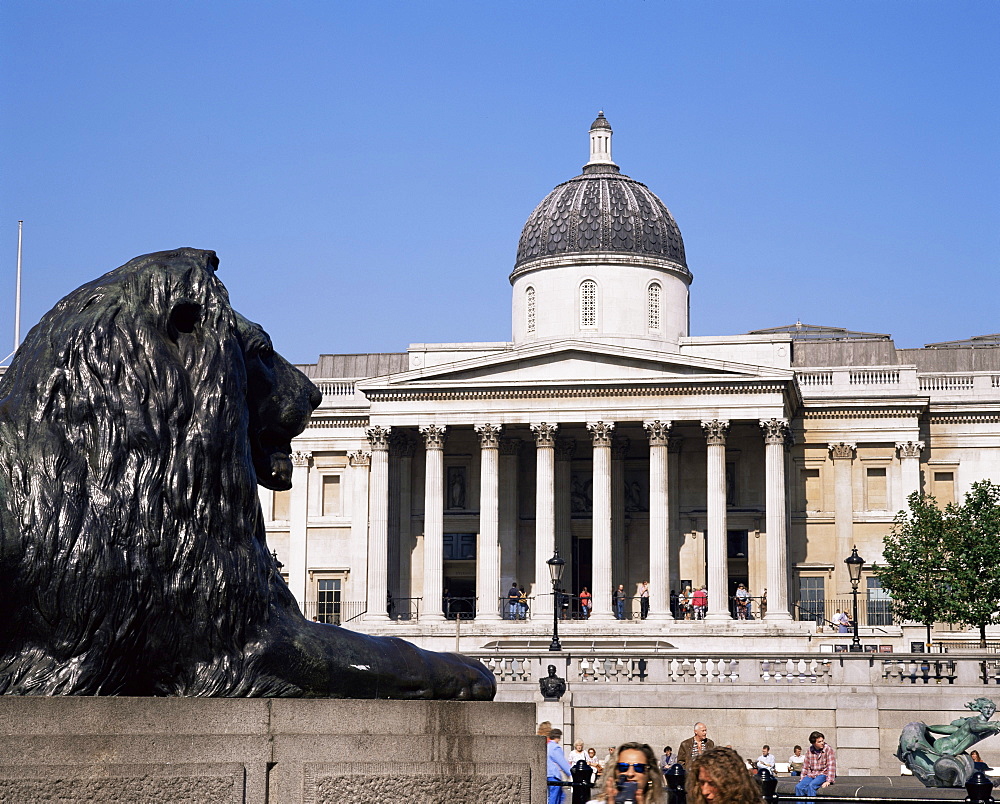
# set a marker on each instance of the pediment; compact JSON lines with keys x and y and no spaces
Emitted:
{"x":576,"y":363}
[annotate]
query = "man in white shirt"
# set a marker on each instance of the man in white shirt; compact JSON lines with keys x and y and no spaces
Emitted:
{"x":766,"y":759}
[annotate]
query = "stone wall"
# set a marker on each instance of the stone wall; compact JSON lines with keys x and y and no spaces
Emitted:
{"x":276,"y":751}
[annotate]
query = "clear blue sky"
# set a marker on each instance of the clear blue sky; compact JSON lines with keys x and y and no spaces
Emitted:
{"x":364,"y":169}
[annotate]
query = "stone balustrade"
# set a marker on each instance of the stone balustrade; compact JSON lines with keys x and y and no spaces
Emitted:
{"x":857,"y":380}
{"x":879,"y":670}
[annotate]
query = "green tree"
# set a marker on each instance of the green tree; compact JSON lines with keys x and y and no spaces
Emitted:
{"x":974,"y":558}
{"x":916,"y":568}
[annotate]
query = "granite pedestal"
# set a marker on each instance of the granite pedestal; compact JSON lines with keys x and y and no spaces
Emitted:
{"x":268,"y":751}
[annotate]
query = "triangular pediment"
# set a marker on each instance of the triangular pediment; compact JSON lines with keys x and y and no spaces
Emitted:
{"x":576,"y":362}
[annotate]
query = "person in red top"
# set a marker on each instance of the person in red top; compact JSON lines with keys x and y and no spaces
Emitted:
{"x":819,"y":768}
{"x":700,"y":602}
{"x":585,"y":600}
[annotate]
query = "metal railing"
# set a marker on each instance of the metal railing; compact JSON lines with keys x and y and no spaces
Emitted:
{"x":334,"y":612}
{"x":871,"y":612}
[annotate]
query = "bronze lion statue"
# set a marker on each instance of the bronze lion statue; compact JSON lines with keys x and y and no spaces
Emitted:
{"x":136,"y":421}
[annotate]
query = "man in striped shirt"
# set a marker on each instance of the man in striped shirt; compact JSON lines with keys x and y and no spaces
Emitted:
{"x":819,"y":768}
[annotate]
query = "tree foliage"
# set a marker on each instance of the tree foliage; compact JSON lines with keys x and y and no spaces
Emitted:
{"x":944,"y":565}
{"x":974,"y":558}
{"x":915,"y":572}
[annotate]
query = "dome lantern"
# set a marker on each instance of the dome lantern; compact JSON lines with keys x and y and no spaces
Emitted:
{"x":600,"y":146}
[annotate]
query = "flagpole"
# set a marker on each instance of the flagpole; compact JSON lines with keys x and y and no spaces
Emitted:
{"x":17,"y":294}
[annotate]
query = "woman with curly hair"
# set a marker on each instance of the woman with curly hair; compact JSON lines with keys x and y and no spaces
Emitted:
{"x":633,"y":763}
{"x":719,"y":776}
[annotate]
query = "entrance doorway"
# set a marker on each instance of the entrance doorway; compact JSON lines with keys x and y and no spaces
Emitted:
{"x":582,"y":575}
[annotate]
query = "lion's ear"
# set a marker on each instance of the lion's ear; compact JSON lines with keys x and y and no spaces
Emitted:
{"x":184,"y":316}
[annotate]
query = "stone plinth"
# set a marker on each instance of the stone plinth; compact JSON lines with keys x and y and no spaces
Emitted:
{"x":268,"y":751}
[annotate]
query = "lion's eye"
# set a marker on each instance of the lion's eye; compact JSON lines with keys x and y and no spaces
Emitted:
{"x":264,"y":351}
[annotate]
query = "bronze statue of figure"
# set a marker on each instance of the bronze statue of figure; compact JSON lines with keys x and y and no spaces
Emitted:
{"x":942,"y":761}
{"x":136,"y":421}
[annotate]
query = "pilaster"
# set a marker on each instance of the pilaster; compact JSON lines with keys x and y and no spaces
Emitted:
{"x":298,"y":527}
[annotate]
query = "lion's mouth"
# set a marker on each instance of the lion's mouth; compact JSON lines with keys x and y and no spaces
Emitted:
{"x":272,"y":462}
{"x":281,"y":468}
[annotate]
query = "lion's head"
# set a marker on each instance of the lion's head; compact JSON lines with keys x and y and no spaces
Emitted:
{"x":137,"y":419}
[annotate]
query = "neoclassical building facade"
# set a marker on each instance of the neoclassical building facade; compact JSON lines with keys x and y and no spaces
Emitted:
{"x":430,"y":481}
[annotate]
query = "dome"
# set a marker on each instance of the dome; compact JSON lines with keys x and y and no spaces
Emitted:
{"x":602,"y":214}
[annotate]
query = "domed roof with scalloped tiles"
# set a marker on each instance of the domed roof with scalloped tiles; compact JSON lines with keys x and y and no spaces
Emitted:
{"x":601,"y":211}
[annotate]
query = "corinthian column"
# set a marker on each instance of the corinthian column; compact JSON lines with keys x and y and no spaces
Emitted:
{"x":659,"y":521}
{"x":909,"y":468}
{"x":775,"y":439}
{"x":718,"y":568}
{"x":433,"y":522}
{"x":545,"y":514}
{"x":488,"y":554}
{"x":843,"y":503}
{"x":378,"y":529}
{"x":298,"y":530}
{"x":360,"y":462}
{"x":601,"y":559}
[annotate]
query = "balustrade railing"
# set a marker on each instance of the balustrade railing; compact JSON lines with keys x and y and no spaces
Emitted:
{"x":609,"y":667}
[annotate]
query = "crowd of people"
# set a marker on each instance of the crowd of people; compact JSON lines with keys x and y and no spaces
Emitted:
{"x":687,"y":605}
{"x":713,"y":774}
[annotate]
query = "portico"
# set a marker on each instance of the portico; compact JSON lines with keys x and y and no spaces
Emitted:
{"x":588,"y":465}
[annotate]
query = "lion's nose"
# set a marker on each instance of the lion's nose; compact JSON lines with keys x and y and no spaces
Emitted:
{"x":315,"y":397}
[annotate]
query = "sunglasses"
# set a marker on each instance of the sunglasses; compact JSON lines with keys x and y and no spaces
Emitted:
{"x":640,"y":767}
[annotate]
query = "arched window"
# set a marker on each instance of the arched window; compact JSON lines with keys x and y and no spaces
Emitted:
{"x":588,"y":304}
{"x":530,"y":309}
{"x":653,"y":306}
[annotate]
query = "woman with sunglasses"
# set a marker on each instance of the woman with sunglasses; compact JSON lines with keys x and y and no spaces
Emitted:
{"x":635,"y":763}
{"x":719,"y":776}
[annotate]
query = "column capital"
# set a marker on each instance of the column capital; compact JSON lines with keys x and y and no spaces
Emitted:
{"x":359,"y":458}
{"x":510,"y":446}
{"x":601,"y":433}
{"x":378,"y":437}
{"x":658,"y":432}
{"x":841,"y":450}
{"x":401,"y":445}
{"x":434,"y":435}
{"x":545,"y":434}
{"x":909,"y":449}
{"x":715,"y":432}
{"x":300,"y":457}
{"x":619,"y":447}
{"x":489,"y":435}
{"x":565,"y":449}
{"x":776,"y":431}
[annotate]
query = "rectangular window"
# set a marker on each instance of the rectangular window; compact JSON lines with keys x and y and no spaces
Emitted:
{"x":328,"y":600}
{"x":812,"y":599}
{"x":331,"y":495}
{"x":943,"y":488}
{"x":281,"y":505}
{"x":877,"y":490}
{"x":879,"y":604}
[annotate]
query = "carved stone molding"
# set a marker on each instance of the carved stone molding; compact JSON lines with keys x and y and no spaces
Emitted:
{"x":601,"y":433}
{"x":545,"y":434}
{"x":658,"y":432}
{"x":300,"y":457}
{"x":619,"y":447}
{"x":674,"y":444}
{"x":775,"y":431}
{"x":489,"y":435}
{"x":359,"y":458}
{"x":434,"y":435}
{"x":510,"y":446}
{"x":378,"y":437}
{"x":565,"y":449}
{"x":715,"y":432}
{"x":842,"y":450}
{"x":909,"y":449}
{"x":401,"y":445}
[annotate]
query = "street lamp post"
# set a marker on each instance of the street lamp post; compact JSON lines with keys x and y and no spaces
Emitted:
{"x":854,"y":564}
{"x":556,"y":567}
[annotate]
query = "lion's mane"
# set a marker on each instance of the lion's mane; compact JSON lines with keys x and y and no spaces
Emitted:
{"x":131,"y":537}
